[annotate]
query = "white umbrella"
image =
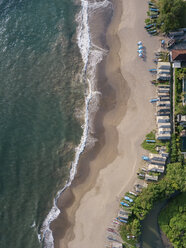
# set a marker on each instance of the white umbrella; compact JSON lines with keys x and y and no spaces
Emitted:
{"x":140,"y":51}
{"x":140,"y":55}
{"x":139,"y":43}
{"x":140,"y":47}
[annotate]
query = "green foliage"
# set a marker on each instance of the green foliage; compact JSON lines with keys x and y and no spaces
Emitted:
{"x":179,"y":108}
{"x":172,"y":221}
{"x":124,"y":232}
{"x":147,"y":21}
{"x":164,"y":56}
{"x":174,"y":180}
{"x":171,"y":14}
{"x":174,"y":149}
{"x":152,"y":146}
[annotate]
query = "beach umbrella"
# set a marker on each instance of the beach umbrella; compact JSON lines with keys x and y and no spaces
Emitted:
{"x":163,"y":42}
{"x":140,"y":51}
{"x":140,"y":47}
{"x":141,"y":55}
{"x":139,"y":43}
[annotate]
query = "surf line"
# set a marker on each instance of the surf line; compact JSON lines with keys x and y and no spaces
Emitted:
{"x":91,"y":56}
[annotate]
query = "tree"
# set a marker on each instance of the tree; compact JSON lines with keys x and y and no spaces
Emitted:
{"x":171,"y":14}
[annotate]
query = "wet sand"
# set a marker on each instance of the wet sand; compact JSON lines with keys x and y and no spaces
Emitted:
{"x":124,"y":117}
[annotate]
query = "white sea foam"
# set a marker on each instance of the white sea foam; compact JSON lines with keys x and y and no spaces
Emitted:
{"x":91,"y":55}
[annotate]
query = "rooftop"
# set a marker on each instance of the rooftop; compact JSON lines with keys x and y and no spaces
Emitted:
{"x":179,"y":55}
{"x":150,"y":177}
{"x":181,"y":118}
{"x":156,"y":156}
{"x":164,"y":65}
{"x":156,"y":168}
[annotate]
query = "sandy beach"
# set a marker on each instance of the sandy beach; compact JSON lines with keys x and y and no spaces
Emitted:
{"x":90,"y":205}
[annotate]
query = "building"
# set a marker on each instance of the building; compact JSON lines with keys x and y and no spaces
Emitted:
{"x":163,"y":108}
{"x":167,"y":94}
{"x":164,"y":125}
{"x":163,"y":119}
{"x":164,"y":66}
{"x":164,"y":130}
{"x":151,"y":177}
{"x":178,"y":57}
{"x":165,"y":86}
{"x":156,"y":168}
{"x":164,"y":98}
{"x":164,"y":154}
{"x":157,"y":157}
{"x":163,"y":90}
{"x":165,"y":136}
{"x":182,"y":120}
{"x":163,"y":71}
{"x":163,"y":103}
{"x":163,"y":113}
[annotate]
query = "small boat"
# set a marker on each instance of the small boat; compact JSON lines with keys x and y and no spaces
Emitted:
{"x":154,"y":100}
{"x":111,"y":230}
{"x":149,"y":26}
{"x":154,"y":10}
{"x":124,"y":221}
{"x":145,"y":158}
{"x":150,"y":141}
{"x":128,"y":198}
{"x":152,"y":31}
{"x":154,"y":16}
{"x":132,"y":193}
{"x":124,"y":204}
{"x":116,"y":222}
{"x":153,"y":70}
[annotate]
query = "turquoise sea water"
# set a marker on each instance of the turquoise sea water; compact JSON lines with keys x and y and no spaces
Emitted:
{"x":39,"y":95}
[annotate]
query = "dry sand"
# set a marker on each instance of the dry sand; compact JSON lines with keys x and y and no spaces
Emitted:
{"x":96,"y":200}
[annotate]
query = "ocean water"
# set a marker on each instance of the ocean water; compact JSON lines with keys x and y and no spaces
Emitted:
{"x":41,"y":102}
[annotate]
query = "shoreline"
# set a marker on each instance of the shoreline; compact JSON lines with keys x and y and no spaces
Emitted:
{"x":60,"y":225}
{"x":104,"y":177}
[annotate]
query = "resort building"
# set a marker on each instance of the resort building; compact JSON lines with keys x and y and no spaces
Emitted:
{"x":151,"y":177}
{"x":163,"y":90}
{"x":178,"y":57}
{"x":181,"y":119}
{"x":154,"y":156}
{"x":164,"y":154}
{"x":166,"y":136}
{"x":163,"y":119}
{"x":164,"y":125}
{"x":156,"y":168}
{"x":164,"y":130}
{"x":163,"y":71}
{"x":163,"y":103}
{"x":163,"y":94}
{"x":163,"y":108}
{"x":164,"y":86}
{"x":162,"y":113}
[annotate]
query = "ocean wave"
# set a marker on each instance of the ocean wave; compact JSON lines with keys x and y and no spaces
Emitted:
{"x":91,"y":56}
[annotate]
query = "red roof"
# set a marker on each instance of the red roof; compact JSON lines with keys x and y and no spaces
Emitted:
{"x":179,"y":55}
